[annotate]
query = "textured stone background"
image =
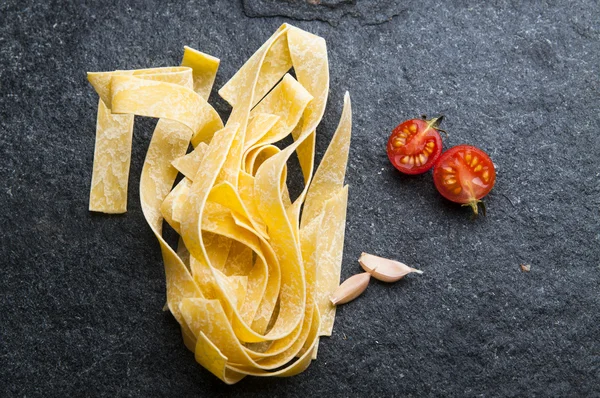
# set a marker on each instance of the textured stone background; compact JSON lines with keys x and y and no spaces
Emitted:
{"x":82,"y":294}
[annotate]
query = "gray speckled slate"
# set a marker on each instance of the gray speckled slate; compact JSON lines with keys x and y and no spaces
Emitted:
{"x":82,"y":294}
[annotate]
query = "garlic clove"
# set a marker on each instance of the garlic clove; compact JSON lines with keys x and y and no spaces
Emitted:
{"x":384,"y":269}
{"x":351,"y":288}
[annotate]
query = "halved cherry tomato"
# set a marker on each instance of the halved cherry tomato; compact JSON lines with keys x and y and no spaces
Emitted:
{"x":464,"y":174}
{"x":415,"y":145}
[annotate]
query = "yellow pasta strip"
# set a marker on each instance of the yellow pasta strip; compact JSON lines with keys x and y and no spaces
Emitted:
{"x":188,"y":165}
{"x":330,"y":249}
{"x":287,"y":101}
{"x":204,"y":69}
{"x":209,"y":356}
{"x":234,"y":286}
{"x":258,"y":125}
{"x":112,"y":155}
{"x":169,"y":206}
{"x":226,"y":195}
{"x":170,"y":140}
{"x":151,"y":98}
{"x":101,"y":81}
{"x":309,"y":56}
{"x":329,"y":178}
{"x":257,"y":156}
{"x":271,"y":70}
{"x":217,"y":248}
{"x":246,"y":192}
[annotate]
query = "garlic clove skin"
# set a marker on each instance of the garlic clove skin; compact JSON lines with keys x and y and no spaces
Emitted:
{"x":384,"y":269}
{"x":351,"y":288}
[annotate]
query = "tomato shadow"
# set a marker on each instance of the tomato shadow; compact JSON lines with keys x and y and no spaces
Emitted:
{"x":455,"y":211}
{"x":399,"y":177}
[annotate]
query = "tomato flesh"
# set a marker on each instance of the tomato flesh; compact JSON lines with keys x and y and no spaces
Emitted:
{"x":414,"y":146}
{"x":464,"y":174}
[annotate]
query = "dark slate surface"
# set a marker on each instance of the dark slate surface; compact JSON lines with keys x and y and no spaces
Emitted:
{"x":81,"y":294}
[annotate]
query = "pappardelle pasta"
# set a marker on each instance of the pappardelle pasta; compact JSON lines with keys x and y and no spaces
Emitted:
{"x":251,"y":277}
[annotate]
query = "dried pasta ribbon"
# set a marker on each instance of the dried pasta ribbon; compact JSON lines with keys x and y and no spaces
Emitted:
{"x":250,"y":280}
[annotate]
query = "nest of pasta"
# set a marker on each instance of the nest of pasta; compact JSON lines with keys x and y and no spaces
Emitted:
{"x":250,"y":279}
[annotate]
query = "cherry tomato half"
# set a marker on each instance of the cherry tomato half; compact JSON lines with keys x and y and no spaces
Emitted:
{"x":464,"y":174}
{"x":415,"y":145}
